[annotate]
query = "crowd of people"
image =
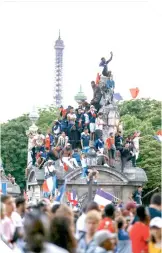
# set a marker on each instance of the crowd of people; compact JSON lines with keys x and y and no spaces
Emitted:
{"x":49,"y":228}
{"x":75,"y":132}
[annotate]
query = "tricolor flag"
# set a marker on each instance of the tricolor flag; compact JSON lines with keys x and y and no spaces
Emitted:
{"x":72,"y":197}
{"x":61,"y":193}
{"x":49,"y":184}
{"x":103,"y":198}
{"x":158,"y":138}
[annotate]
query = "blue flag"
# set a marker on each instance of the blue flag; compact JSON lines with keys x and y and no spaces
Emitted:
{"x":117,"y":96}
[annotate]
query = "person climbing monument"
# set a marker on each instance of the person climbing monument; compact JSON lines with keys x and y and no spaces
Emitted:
{"x":104,"y":64}
{"x":110,"y":142}
{"x":66,"y":157}
{"x":96,"y":96}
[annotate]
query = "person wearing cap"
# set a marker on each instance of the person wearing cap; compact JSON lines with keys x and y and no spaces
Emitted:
{"x":131,"y":208}
{"x":105,"y":241}
{"x":92,"y":118}
{"x":155,"y":244}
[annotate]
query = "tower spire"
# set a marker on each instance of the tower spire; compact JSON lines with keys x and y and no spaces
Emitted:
{"x":59,"y":35}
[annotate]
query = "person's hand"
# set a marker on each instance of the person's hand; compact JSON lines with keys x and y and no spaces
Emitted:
{"x":111,"y":53}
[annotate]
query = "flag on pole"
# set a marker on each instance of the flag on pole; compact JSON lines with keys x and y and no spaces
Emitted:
{"x":72,"y":197}
{"x":103,"y":198}
{"x":117,"y":96}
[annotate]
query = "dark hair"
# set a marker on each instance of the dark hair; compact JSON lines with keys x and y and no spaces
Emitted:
{"x":4,"y":198}
{"x":92,"y":206}
{"x":140,"y":186}
{"x":109,"y":210}
{"x":141,"y":213}
{"x":39,"y":132}
{"x":19,"y":201}
{"x":61,"y":233}
{"x":156,"y":199}
{"x":35,"y":231}
{"x":55,"y":208}
{"x":120,"y":223}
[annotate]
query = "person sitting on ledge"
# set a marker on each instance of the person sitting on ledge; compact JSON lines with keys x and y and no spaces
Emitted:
{"x":99,"y":144}
{"x":62,"y":140}
{"x":66,"y":157}
{"x":85,"y":140}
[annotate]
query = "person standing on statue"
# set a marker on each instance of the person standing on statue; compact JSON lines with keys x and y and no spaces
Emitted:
{"x":110,"y":142}
{"x":96,"y":96}
{"x":104,"y":64}
{"x":92,"y":118}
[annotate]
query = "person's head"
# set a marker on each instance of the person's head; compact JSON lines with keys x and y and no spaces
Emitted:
{"x":61,"y":233}
{"x":71,"y":110}
{"x":93,"y":84}
{"x":105,"y":239}
{"x":8,"y":201}
{"x":139,"y":189}
{"x":100,"y":114}
{"x":131,"y":207}
{"x":66,"y":211}
{"x":101,"y":138}
{"x":36,"y":225}
{"x":156,"y":201}
{"x":68,"y":147}
{"x":92,"y":221}
{"x":109,"y":211}
{"x":119,"y":133}
{"x":111,"y":77}
{"x":63,"y":134}
{"x":86,"y":130}
{"x":156,"y":229}
{"x":111,"y":135}
{"x":120,"y":222}
{"x":79,"y":110}
{"x":20,"y":204}
{"x":126,"y":145}
{"x":92,"y":206}
{"x":54,"y":209}
{"x":103,"y":60}
{"x":48,"y":131}
{"x":39,"y":132}
{"x":142,"y":214}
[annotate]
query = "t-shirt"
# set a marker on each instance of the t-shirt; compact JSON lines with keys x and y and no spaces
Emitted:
{"x":92,"y":116}
{"x":39,"y":139}
{"x":154,"y":248}
{"x":85,"y":139}
{"x":139,"y":235}
{"x":71,"y":118}
{"x":108,"y":224}
{"x":109,"y":142}
{"x":137,"y":197}
{"x":86,"y":116}
{"x":99,"y":123}
{"x":17,"y":219}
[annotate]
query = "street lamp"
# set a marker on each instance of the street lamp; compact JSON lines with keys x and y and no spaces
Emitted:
{"x":91,"y":161}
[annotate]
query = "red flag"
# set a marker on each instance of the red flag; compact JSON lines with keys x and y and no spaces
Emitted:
{"x":134,"y":92}
{"x":65,"y":167}
{"x":97,"y":79}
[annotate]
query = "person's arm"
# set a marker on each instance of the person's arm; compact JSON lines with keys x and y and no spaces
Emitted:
{"x":110,"y":58}
{"x":81,"y":142}
{"x":61,"y":154}
{"x":58,"y":143}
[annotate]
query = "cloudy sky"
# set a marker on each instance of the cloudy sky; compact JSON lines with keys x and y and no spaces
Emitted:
{"x":90,"y":30}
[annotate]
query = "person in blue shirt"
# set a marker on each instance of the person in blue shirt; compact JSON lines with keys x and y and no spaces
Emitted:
{"x":85,"y":140}
{"x":124,"y":242}
{"x":99,"y":145}
{"x":64,"y":125}
{"x":76,"y":155}
{"x":104,"y":64}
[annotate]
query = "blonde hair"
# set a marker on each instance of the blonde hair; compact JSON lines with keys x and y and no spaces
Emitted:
{"x":93,"y":215}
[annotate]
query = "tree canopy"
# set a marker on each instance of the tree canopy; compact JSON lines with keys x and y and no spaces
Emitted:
{"x":141,"y":114}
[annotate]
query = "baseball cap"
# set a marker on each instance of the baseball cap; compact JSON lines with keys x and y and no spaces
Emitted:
{"x":102,"y":236}
{"x":156,"y":222}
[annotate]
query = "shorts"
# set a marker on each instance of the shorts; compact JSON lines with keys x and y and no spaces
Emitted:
{"x":111,"y":153}
{"x":92,"y":127}
{"x":85,"y":149}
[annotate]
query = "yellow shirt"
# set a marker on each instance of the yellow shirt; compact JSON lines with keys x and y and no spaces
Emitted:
{"x":153,"y":248}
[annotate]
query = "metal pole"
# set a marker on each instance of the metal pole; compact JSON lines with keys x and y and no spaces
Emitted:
{"x":90,"y":187}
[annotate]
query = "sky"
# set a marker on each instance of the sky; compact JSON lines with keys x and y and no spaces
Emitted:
{"x":90,"y":30}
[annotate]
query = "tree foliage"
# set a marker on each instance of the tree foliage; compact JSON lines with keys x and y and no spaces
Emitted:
{"x":145,"y":115}
{"x":14,"y":142}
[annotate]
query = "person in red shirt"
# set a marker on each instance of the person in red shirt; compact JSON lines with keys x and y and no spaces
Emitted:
{"x":139,"y":233}
{"x":110,"y":143}
{"x":108,"y":221}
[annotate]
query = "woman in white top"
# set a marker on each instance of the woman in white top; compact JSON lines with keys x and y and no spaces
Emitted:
{"x":136,"y":144}
{"x":99,"y":125}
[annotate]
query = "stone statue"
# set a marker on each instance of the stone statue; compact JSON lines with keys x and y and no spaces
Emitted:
{"x":96,"y":96}
{"x":104,"y":64}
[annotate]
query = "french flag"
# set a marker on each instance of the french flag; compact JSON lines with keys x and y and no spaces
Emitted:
{"x":72,"y":197}
{"x":103,"y":198}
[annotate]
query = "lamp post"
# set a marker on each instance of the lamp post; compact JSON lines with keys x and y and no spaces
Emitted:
{"x":32,"y":131}
{"x":91,"y":161}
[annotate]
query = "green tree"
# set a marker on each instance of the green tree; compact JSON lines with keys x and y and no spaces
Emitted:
{"x":145,"y":115}
{"x":14,"y":142}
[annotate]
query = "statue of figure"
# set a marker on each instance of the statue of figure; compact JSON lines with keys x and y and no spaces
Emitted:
{"x":96,"y":96}
{"x":104,"y":64}
{"x":107,"y":90}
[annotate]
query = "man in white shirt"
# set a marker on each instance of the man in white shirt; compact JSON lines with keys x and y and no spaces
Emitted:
{"x":49,"y":169}
{"x":99,"y":124}
{"x":39,"y":141}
